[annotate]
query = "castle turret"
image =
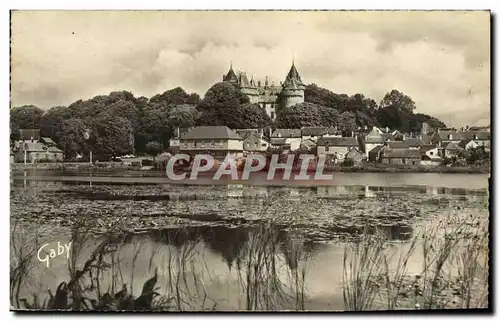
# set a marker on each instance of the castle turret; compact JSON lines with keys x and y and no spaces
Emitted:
{"x":248,"y":88}
{"x":231,"y":76}
{"x":293,"y":88}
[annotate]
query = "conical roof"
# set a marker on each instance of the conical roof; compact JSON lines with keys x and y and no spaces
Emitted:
{"x":293,"y":74}
{"x":293,"y":78}
{"x":231,"y":76}
{"x":244,"y":80}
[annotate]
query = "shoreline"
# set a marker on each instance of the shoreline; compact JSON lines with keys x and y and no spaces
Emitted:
{"x":365,"y":168}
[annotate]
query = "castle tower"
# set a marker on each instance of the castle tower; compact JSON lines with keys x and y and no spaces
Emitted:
{"x":293,"y":89}
{"x":248,"y":88}
{"x":231,"y":76}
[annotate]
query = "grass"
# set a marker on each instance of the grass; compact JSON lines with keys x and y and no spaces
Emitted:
{"x":454,"y":271}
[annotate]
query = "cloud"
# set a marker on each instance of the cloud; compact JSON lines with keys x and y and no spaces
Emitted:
{"x":440,"y":59}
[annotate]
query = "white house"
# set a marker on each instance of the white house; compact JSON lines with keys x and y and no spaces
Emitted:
{"x":430,"y":155}
{"x":286,"y":138}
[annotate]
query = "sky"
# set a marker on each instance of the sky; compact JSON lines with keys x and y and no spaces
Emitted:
{"x":440,"y":59}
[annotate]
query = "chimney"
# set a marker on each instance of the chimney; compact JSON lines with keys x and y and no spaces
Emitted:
{"x":404,"y":137}
{"x":450,"y":137}
{"x":387,"y":129}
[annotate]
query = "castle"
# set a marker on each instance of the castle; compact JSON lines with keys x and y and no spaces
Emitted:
{"x":271,"y":98}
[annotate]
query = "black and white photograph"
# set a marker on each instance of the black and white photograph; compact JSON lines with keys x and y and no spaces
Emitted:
{"x":237,"y":160}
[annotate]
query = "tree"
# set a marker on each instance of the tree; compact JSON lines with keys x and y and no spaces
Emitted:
{"x":220,"y":106}
{"x":300,"y":115}
{"x":72,"y":137}
{"x":154,"y":148}
{"x":112,"y":136}
{"x":126,"y":109}
{"x":307,"y":114}
{"x":347,"y":123}
{"x":252,"y":116}
{"x":154,"y":126}
{"x":25,"y":117}
{"x":182,"y":116}
{"x":15,"y":135}
{"x":52,"y":121}
{"x":175,"y":96}
{"x":324,"y":97}
{"x":398,"y":100}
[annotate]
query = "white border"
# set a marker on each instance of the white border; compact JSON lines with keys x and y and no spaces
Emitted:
{"x":186,"y":4}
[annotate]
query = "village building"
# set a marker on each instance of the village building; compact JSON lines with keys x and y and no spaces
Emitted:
{"x":217,"y":141}
{"x":470,"y":144}
{"x":31,"y":152}
{"x":175,"y":141}
{"x":253,"y":141}
{"x":286,"y":138}
{"x":430,"y":155}
{"x":450,"y":149}
{"x":308,"y":145}
{"x":47,"y":141}
{"x":270,"y":97}
{"x":375,"y":154}
{"x":412,"y":143}
{"x":336,"y":147}
{"x":356,"y":155}
{"x":376,"y":137}
{"x":480,"y":138}
{"x":313,"y":133}
{"x":401,"y":156}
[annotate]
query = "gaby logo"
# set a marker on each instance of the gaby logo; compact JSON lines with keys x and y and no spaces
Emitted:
{"x":253,"y":163}
{"x":46,"y":253}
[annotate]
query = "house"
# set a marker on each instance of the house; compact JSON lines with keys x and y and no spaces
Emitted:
{"x":429,"y":155}
{"x":175,"y":143}
{"x":426,"y":138}
{"x":397,"y":135}
{"x":337,"y":147}
{"x":253,"y":142}
{"x":38,"y":152}
{"x":32,"y":135}
{"x":292,"y":137}
{"x":54,"y":154}
{"x":280,"y":143}
{"x":481,"y":138}
{"x":218,"y":141}
{"x":468,"y":144}
{"x":313,"y":133}
{"x":375,"y":154}
{"x":376,"y":137}
{"x":401,"y":156}
{"x":47,"y":141}
{"x":412,"y":143}
{"x":307,"y":145}
{"x":356,"y":155}
{"x":450,"y":149}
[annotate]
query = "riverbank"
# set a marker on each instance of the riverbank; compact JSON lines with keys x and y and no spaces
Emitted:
{"x":126,"y":169}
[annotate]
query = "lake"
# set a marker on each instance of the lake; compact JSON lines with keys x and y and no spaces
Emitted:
{"x":208,"y":231}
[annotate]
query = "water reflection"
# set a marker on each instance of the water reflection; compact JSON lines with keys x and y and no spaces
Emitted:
{"x":247,"y":191}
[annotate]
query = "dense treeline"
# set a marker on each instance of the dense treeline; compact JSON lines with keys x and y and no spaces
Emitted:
{"x":120,"y":123}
